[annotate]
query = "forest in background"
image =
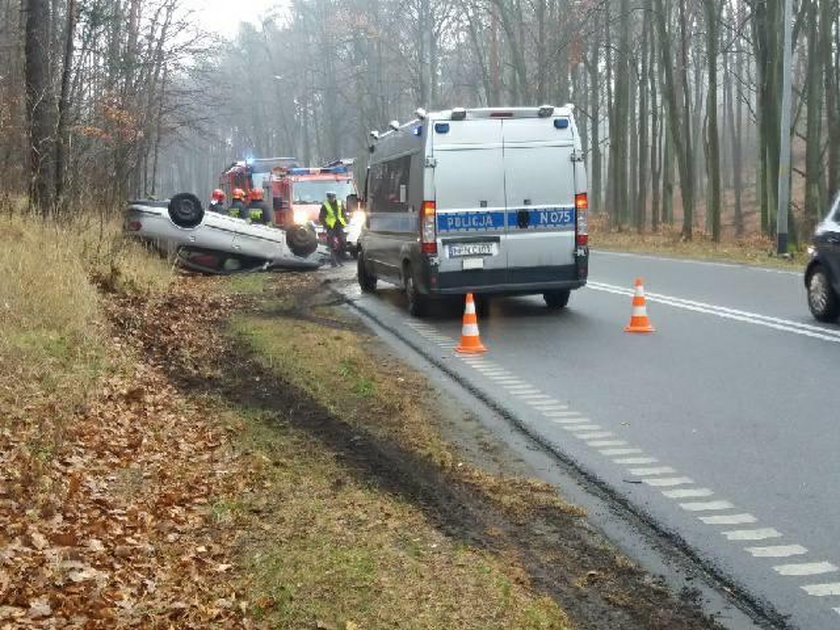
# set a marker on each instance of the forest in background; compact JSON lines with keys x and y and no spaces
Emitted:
{"x":678,"y":101}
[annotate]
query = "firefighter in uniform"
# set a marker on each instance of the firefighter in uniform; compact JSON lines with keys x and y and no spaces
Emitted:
{"x":334,"y":220}
{"x":258,"y":210}
{"x":237,"y":207}
{"x":217,"y":201}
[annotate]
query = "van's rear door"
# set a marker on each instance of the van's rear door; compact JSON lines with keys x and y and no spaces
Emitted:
{"x":469,"y":188}
{"x":540,"y":192}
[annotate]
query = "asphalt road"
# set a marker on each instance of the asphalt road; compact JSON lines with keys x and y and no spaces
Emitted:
{"x":723,"y":426}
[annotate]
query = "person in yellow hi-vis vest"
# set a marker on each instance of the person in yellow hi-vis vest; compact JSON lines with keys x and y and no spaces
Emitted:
{"x":334,"y":219}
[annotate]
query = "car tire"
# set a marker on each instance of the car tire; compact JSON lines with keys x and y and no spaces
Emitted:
{"x":822,"y":300}
{"x":301,"y":240}
{"x":417,"y":303}
{"x":555,"y":300}
{"x":185,"y":210}
{"x":367,"y":281}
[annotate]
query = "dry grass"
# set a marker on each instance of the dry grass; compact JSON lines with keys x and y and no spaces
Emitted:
{"x":327,"y":550}
{"x":53,"y":338}
{"x":756,"y":249}
{"x":343,"y":552}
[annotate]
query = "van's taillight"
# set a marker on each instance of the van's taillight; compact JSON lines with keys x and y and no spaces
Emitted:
{"x":581,"y":228}
{"x":428,"y":244}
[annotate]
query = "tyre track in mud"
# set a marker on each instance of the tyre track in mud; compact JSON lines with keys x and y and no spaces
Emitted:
{"x":562,"y":555}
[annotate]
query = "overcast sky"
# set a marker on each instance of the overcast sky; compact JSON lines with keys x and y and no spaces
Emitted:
{"x":224,"y":16}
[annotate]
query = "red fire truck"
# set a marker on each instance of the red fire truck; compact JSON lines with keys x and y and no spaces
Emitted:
{"x":297,"y":193}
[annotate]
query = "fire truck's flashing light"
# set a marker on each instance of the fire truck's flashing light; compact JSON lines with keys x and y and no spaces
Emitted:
{"x":333,"y":170}
{"x":561,"y":123}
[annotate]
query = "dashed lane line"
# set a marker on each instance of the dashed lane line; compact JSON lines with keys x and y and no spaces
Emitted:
{"x":777,"y":551}
{"x":822,"y":590}
{"x":687,"y":493}
{"x":653,"y":470}
{"x":612,"y":452}
{"x":635,"y":461}
{"x":729,"y":519}
{"x":605,"y":443}
{"x":658,"y":476}
{"x":667,"y":482}
{"x":762,"y":533}
{"x":706,"y":506}
{"x":805,"y":568}
{"x":597,"y":435}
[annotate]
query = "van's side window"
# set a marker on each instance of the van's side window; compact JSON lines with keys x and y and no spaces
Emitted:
{"x":386,"y":180}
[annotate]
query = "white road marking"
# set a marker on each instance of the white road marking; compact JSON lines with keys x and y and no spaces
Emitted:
{"x":552,"y":402}
{"x":533,"y":398}
{"x":522,"y":392}
{"x":777,"y":551}
{"x":667,"y":482}
{"x":655,"y":470}
{"x":753,"y":534}
{"x":605,"y":443}
{"x":837,"y":610}
{"x":584,"y":427}
{"x":822,"y":590}
{"x":635,"y":461}
{"x":687,"y":493}
{"x":776,"y":323}
{"x":706,"y":263}
{"x":729,"y":519}
{"x":596,"y":435}
{"x":706,"y":506}
{"x":580,"y":420}
{"x":505,"y":379}
{"x":805,"y":568}
{"x":560,"y":414}
{"x":612,"y":452}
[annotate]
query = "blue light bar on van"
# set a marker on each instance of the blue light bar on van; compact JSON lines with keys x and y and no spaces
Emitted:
{"x":417,"y":130}
{"x":561,"y":123}
{"x":441,"y":127}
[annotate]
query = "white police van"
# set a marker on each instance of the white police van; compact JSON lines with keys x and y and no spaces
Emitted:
{"x":488,"y":201}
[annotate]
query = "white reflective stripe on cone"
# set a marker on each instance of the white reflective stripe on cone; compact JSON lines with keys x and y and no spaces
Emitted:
{"x":639,"y":311}
{"x":470,"y":310}
{"x":470,"y":330}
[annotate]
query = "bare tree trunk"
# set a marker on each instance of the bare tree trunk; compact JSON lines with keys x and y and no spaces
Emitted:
{"x":64,"y":104}
{"x":39,"y":107}
{"x":813,"y":150}
{"x":641,"y":200}
{"x":595,"y":111}
{"x":712,"y":12}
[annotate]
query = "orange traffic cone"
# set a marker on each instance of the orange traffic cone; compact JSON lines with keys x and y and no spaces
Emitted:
{"x":470,"y":341}
{"x":639,"y":322}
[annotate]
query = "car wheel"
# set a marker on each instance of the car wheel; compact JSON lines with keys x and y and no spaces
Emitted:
{"x":367,"y":281}
{"x":416,"y":301}
{"x":301,"y":240}
{"x":556,"y":300}
{"x":185,"y":210}
{"x":822,"y":300}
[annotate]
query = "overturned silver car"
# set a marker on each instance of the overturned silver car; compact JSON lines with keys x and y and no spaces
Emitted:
{"x":209,"y":242}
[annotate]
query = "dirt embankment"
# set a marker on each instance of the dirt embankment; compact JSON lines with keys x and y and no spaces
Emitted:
{"x":258,"y":460}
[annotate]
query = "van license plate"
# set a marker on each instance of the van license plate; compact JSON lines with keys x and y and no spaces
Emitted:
{"x":461,"y":250}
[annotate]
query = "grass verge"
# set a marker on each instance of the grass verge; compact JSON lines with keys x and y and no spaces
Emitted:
{"x":758,"y":250}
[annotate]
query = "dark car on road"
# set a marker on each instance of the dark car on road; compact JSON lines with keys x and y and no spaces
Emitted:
{"x":822,"y":276}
